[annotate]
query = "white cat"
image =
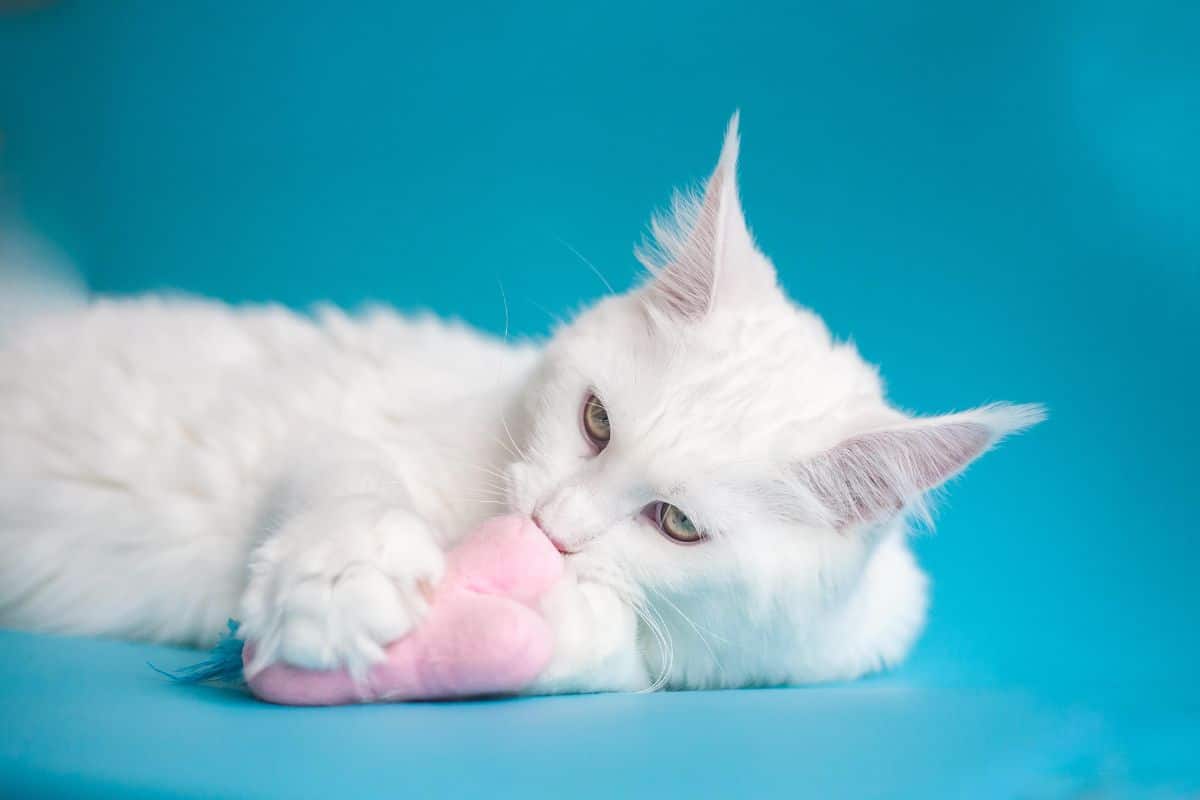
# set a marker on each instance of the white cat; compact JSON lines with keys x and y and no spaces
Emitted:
{"x":730,"y":486}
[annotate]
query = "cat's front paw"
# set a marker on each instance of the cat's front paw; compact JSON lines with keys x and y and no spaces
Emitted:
{"x":595,"y":641}
{"x":336,"y":585}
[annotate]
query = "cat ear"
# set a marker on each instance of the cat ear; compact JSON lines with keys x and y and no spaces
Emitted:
{"x":702,"y":250}
{"x":873,"y":476}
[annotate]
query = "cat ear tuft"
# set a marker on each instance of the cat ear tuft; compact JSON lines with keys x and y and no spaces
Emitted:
{"x":877,"y":475}
{"x":701,"y":246}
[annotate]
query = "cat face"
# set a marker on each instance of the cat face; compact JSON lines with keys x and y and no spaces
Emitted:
{"x":703,"y":445}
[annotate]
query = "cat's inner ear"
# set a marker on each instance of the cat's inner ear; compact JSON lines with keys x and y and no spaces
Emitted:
{"x":874,"y":476}
{"x":702,"y":250}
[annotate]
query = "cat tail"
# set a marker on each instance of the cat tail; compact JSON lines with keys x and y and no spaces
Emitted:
{"x":36,"y":279}
{"x":223,"y":665}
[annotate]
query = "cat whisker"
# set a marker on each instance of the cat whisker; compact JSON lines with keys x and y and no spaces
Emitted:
{"x":511,"y":439}
{"x":648,"y":616}
{"x":695,"y":626}
{"x":697,"y":629}
{"x":485,"y":494}
{"x":505,"y":447}
{"x":482,"y":467}
{"x":667,"y":647}
{"x":490,"y":501}
{"x":658,"y":629}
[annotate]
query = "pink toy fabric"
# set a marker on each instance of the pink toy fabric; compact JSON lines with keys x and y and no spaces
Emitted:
{"x":483,"y":634}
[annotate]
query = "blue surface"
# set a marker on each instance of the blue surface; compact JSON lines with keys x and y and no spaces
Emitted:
{"x":998,"y":201}
{"x":88,"y":719}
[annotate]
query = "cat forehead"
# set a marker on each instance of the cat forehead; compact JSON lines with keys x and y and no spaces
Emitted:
{"x":736,"y":381}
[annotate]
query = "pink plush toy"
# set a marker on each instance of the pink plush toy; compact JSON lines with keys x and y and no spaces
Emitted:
{"x":483,"y":634}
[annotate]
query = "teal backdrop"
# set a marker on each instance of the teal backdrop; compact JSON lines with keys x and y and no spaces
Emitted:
{"x":996,"y":201}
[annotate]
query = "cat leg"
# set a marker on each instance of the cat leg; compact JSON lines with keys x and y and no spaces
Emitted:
{"x":346,"y":569}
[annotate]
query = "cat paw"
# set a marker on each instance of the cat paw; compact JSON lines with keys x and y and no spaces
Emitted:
{"x":336,"y":585}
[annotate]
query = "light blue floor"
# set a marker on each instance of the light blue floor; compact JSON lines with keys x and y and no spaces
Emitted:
{"x":87,"y":718}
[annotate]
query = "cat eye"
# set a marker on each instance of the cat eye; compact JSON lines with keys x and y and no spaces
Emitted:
{"x":674,"y":524}
{"x":595,"y":422}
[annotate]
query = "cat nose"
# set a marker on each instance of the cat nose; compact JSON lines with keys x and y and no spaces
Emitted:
{"x":559,"y":546}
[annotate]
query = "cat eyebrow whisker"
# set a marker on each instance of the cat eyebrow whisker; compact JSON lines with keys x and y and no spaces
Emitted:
{"x":504,"y":300}
{"x":557,"y":319}
{"x":589,"y":264}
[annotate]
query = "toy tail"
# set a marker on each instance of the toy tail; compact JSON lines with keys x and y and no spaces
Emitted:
{"x":223,"y":665}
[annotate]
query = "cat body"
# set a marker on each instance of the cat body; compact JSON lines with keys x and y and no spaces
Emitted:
{"x":729,"y":485}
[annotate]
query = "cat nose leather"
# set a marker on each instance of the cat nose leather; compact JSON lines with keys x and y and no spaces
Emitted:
{"x":559,"y":546}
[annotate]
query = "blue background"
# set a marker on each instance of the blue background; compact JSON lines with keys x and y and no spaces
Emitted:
{"x":997,"y":201}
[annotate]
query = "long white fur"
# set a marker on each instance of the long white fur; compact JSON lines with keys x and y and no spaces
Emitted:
{"x":166,"y":463}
